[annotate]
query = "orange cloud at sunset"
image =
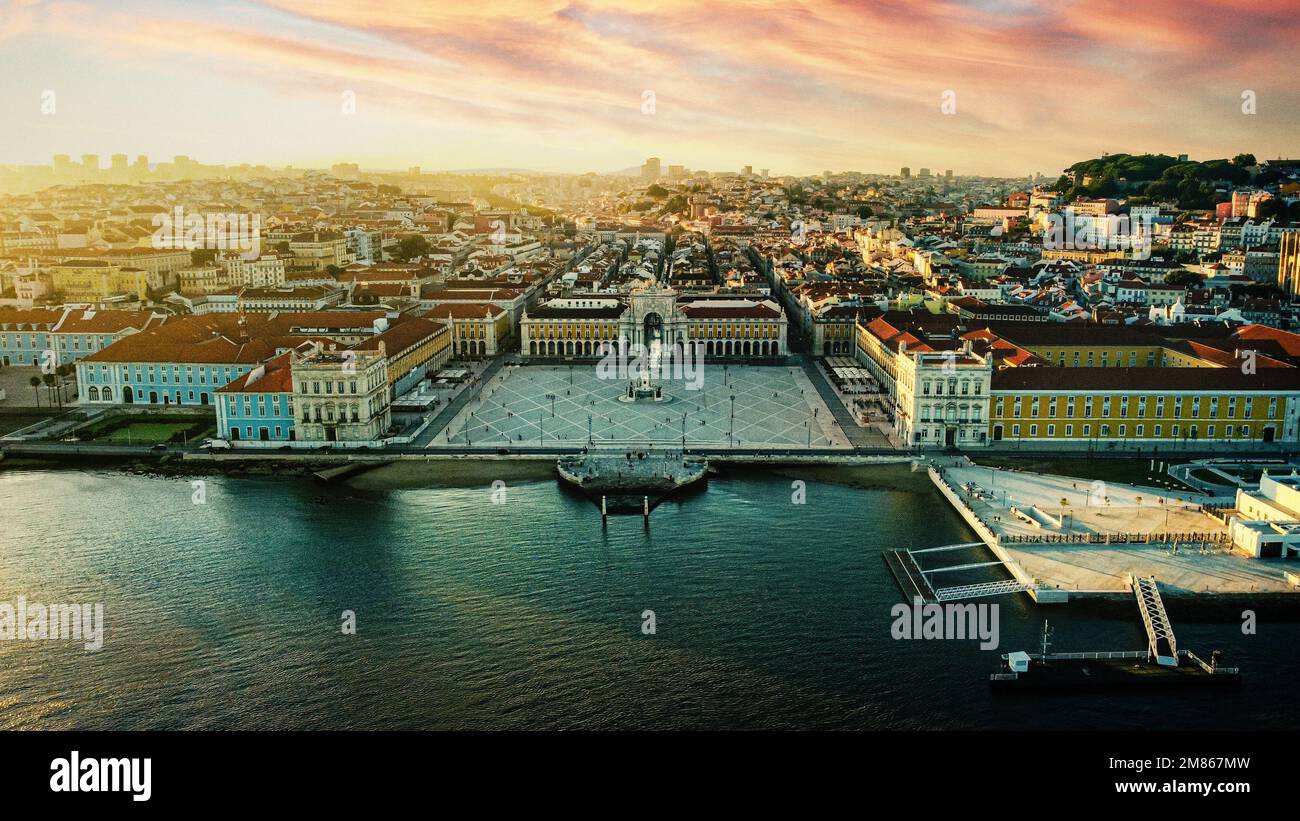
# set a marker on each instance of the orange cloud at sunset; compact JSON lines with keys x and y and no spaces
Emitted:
{"x":795,"y":86}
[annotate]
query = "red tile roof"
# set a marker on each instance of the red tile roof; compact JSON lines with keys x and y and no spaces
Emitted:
{"x":275,"y":377}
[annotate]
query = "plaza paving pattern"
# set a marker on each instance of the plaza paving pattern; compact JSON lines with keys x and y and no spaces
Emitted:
{"x":776,"y":406}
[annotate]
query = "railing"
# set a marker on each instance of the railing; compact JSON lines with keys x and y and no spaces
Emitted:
{"x":1159,"y":631}
{"x":1113,"y":654}
{"x":974,"y":591}
{"x":1214,"y":671}
{"x":1120,"y":538}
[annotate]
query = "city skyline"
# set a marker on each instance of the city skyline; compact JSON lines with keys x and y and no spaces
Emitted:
{"x":563,"y":88}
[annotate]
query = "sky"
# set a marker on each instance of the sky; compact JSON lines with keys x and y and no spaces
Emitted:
{"x":995,"y":87}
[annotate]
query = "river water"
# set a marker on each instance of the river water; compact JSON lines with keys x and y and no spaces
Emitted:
{"x":228,"y":614}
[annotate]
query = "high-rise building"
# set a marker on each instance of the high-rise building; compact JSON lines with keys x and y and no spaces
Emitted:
{"x":676,"y":172}
{"x":925,"y":173}
{"x":62,"y":165}
{"x":1288,"y":263}
{"x":650,"y":170}
{"x":747,"y":171}
{"x":90,"y":163}
{"x":905,"y":173}
{"x":947,"y":175}
{"x":118,"y":162}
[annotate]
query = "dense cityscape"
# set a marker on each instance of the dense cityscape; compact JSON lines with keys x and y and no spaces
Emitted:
{"x":416,"y":395}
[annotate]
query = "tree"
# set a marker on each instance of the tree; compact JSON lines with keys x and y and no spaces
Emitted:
{"x":1243,"y":160}
{"x":1271,"y":208}
{"x":64,"y":371}
{"x":51,"y":385}
{"x":408,"y":248}
{"x":1185,"y":278}
{"x":35,"y":382}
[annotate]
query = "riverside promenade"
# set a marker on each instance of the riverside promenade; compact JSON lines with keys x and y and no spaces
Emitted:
{"x":1085,"y":538}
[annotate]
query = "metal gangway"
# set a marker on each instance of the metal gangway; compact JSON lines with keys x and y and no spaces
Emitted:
{"x":975,"y":591}
{"x":917,"y":582}
{"x":1160,"y":632}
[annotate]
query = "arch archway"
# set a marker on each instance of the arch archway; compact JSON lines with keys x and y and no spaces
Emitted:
{"x":652,"y":328}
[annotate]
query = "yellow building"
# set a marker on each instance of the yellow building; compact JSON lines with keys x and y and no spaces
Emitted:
{"x":1288,"y":263}
{"x":1081,"y":384}
{"x":414,"y":347}
{"x":476,"y":328}
{"x":1146,"y":406}
{"x":91,"y":280}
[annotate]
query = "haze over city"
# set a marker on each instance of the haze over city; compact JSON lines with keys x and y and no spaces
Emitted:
{"x":562,"y":86}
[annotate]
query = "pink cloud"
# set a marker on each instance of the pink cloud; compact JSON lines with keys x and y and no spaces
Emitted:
{"x":822,"y":83}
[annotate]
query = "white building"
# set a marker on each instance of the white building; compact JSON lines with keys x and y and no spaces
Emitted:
{"x":1267,"y":521}
{"x":342,"y":395}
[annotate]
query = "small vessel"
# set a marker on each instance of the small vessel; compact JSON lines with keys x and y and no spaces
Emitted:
{"x":626,"y":477}
{"x":1044,"y":670}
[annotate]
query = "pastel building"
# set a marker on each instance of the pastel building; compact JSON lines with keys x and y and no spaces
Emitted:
{"x":258,"y":405}
{"x":414,"y":347}
{"x":477,"y":328}
{"x":181,"y":363}
{"x":70,"y":333}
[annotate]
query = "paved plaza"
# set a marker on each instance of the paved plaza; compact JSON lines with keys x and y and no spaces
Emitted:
{"x":775,"y":406}
{"x":1109,"y":508}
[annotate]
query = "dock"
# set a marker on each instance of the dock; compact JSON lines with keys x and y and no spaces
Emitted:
{"x":1161,"y":663}
{"x":916,"y":582}
{"x":908,"y":574}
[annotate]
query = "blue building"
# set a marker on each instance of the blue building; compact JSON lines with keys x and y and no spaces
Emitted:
{"x":68,"y":333}
{"x":258,"y":406}
{"x":182,"y":363}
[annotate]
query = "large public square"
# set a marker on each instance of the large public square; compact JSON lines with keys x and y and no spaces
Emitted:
{"x":730,"y":405}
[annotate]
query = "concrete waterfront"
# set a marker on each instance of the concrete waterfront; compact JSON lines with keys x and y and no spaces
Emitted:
{"x":1108,"y":532}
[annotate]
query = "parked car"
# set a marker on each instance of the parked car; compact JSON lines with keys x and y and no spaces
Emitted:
{"x":215,"y":444}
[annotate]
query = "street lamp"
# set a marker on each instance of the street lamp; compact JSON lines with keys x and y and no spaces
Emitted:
{"x":731,"y":431}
